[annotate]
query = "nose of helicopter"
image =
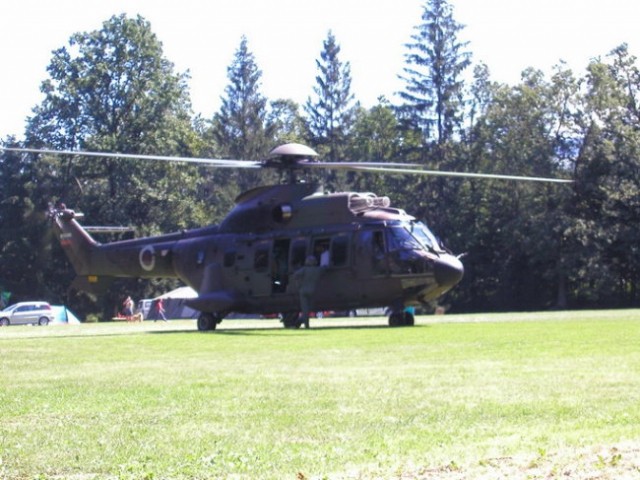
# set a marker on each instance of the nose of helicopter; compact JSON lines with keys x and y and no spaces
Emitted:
{"x":448,"y":271}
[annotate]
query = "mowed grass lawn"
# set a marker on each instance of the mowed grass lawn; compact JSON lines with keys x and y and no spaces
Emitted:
{"x":350,"y":398}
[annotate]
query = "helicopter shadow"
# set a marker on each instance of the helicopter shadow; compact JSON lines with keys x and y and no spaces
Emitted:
{"x":277,"y":331}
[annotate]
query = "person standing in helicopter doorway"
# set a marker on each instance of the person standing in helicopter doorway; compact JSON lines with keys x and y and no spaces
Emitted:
{"x":306,"y":278}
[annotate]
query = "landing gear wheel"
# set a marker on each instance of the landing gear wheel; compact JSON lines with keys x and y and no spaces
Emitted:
{"x":291,"y":320}
{"x":409,"y":320}
{"x":401,"y":319}
{"x":207,"y":321}
{"x":396,"y":319}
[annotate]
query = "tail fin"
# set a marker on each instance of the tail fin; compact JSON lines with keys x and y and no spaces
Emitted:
{"x":76,"y":242}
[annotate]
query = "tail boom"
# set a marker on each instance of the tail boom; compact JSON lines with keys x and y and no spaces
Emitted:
{"x":138,"y":258}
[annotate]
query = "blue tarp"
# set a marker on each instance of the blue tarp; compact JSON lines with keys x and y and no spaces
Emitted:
{"x":63,"y":315}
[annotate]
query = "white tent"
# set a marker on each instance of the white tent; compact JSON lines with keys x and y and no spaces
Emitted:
{"x":174,"y":304}
{"x":182,"y":292}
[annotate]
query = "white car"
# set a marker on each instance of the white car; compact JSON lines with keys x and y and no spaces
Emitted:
{"x":24,"y":313}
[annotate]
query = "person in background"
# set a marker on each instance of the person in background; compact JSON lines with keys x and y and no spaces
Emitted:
{"x":127,"y":307}
{"x":159,"y":307}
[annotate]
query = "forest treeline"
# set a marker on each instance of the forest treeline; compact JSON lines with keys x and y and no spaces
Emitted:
{"x":528,"y":245}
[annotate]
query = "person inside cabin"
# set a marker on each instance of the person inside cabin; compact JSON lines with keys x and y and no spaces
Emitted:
{"x":322,"y":253}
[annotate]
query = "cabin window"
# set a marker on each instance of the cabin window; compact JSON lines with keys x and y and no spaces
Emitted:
{"x":339,"y":251}
{"x":321,"y":251}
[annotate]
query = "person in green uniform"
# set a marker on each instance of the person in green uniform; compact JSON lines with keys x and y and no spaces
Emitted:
{"x":307,"y":278}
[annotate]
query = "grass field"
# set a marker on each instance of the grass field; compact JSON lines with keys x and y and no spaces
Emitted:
{"x":474,"y":396}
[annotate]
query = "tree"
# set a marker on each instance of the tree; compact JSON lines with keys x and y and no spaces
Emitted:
{"x":21,"y":227}
{"x":607,"y":207}
{"x":433,"y":75}
{"x":240,"y":128}
{"x":330,"y":113}
{"x":375,"y":137}
{"x":286,"y":122}
{"x":112,"y":90}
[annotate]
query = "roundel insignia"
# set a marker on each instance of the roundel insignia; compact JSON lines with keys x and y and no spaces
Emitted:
{"x":147,"y":258}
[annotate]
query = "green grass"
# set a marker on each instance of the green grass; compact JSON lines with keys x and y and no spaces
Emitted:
{"x":161,"y":400}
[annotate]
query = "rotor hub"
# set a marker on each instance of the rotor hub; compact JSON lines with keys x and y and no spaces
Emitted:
{"x":290,"y":156}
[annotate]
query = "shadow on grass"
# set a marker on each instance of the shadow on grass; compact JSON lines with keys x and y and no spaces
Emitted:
{"x":275,"y":330}
{"x":230,"y":330}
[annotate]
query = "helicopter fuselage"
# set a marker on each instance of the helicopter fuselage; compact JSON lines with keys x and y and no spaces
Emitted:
{"x":372,"y":255}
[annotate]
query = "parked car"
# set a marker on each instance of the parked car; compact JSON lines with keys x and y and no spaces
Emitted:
{"x":144,"y":306}
{"x":24,"y":313}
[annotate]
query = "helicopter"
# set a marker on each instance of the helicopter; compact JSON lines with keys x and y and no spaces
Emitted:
{"x":372,"y":253}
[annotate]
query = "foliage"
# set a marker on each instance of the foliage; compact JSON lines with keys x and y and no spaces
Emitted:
{"x":607,"y":207}
{"x":112,"y":90}
{"x":330,"y":111}
{"x":529,"y":246}
{"x":433,"y":75}
{"x":240,"y":129}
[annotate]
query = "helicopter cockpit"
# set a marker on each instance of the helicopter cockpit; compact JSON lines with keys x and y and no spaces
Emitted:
{"x":411,"y":247}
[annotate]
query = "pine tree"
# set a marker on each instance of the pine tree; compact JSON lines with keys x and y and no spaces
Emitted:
{"x":331,"y":113}
{"x":435,"y":63}
{"x":239,"y":128}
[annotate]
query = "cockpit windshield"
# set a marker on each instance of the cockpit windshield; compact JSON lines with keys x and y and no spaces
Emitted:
{"x":422,"y":233}
{"x":399,"y":238}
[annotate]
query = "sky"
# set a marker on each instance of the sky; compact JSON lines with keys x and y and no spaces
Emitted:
{"x":286,"y":37}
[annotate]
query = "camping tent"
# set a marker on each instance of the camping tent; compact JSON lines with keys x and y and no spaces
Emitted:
{"x":62,"y":314}
{"x":174,"y":304}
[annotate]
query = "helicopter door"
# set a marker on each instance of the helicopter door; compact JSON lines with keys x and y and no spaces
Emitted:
{"x":280,"y":266}
{"x":370,"y":253}
{"x":261,"y":275}
{"x":298,"y":253}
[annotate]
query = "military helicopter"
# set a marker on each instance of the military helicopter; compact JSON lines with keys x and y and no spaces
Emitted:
{"x":373,"y":254}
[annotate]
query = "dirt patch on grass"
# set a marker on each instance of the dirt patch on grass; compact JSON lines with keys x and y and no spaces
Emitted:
{"x":620,"y":462}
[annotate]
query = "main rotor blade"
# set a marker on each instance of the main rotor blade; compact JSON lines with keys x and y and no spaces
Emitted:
{"x":403,"y":168}
{"x":128,"y":156}
{"x":413,"y":171}
{"x":380,"y":167}
{"x":356,"y":165}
